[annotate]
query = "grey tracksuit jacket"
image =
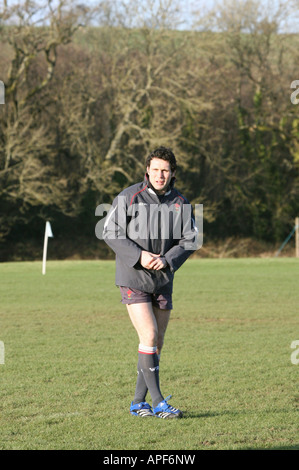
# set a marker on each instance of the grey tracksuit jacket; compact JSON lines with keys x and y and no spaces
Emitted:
{"x":139,"y":220}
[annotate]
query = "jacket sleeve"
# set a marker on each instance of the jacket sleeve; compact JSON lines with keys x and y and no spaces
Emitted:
{"x":114,"y":233}
{"x":187,"y":244}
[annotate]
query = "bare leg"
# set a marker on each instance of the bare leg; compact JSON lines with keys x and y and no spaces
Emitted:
{"x":150,"y":323}
{"x":162,"y":318}
{"x":144,"y":321}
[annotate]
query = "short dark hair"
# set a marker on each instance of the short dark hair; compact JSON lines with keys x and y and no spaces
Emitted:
{"x":165,"y":154}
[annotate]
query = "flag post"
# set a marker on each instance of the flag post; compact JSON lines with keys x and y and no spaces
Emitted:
{"x":48,"y":233}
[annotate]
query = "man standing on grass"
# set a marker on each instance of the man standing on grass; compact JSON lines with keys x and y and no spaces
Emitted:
{"x":151,"y":229}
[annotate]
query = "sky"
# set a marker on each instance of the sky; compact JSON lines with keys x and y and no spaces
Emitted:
{"x":268,"y":8}
{"x":192,"y":9}
{"x":188,"y":7}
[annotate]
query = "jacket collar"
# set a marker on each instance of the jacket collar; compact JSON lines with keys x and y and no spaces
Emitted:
{"x":152,"y":189}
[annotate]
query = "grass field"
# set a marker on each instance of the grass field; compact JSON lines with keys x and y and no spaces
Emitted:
{"x":71,"y":355}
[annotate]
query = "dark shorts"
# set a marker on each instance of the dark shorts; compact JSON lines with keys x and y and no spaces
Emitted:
{"x":135,"y":296}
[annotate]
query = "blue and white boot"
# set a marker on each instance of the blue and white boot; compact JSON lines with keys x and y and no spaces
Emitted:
{"x":165,"y":411}
{"x":142,"y":409}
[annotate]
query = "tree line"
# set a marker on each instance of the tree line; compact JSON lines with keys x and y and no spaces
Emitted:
{"x":89,"y":92}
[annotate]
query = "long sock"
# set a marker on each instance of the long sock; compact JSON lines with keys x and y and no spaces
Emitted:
{"x":141,"y":387}
{"x":149,"y":364}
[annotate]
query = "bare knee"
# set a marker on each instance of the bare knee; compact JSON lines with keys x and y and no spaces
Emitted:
{"x":149,"y":338}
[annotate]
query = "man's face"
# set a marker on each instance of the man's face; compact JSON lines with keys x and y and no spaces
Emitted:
{"x":160,"y":174}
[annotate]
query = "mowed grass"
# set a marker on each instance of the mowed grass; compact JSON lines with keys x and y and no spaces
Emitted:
{"x":71,"y":355}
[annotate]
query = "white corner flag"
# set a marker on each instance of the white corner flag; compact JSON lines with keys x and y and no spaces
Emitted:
{"x":48,"y":233}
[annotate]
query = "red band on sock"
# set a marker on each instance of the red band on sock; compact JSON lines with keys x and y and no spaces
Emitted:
{"x":147,"y":349}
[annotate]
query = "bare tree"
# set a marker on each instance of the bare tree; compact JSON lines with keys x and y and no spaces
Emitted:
{"x":34,"y":32}
{"x":259,"y":56}
{"x":152,"y":91}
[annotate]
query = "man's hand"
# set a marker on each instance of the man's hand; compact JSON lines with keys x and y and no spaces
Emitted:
{"x":147,"y":259}
{"x":151,"y":261}
{"x":158,"y":263}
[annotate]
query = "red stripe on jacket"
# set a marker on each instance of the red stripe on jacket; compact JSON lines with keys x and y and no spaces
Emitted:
{"x":137,"y":193}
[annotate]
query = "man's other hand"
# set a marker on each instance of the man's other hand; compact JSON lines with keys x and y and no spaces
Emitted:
{"x":151,"y":261}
